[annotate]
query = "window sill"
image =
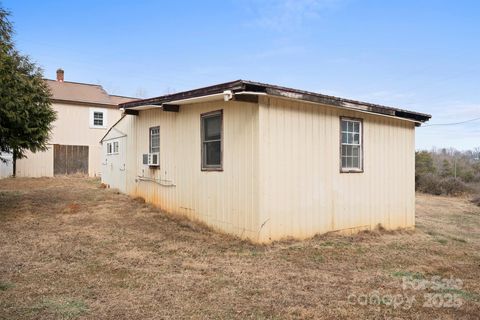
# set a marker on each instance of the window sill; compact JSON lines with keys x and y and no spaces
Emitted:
{"x":212,"y":169}
{"x":351,"y":170}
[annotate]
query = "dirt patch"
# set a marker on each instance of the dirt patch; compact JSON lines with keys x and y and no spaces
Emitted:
{"x":70,"y":249}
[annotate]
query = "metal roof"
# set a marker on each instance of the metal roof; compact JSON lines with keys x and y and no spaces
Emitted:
{"x":252,"y":87}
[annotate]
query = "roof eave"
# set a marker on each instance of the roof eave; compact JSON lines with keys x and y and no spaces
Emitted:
{"x":84,"y":103}
{"x":215,"y":89}
{"x":282,"y":92}
{"x":349,"y":104}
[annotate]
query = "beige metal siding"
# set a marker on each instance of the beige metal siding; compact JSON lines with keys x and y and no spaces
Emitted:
{"x":36,"y":165}
{"x":226,"y":200}
{"x":114,"y":165}
{"x":72,"y":127}
{"x":281,"y":169}
{"x":302,"y":190}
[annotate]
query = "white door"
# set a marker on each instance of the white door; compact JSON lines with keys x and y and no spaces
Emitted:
{"x":114,"y":163}
{"x":122,"y":164}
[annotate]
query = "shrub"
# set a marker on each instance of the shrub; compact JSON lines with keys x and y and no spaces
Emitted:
{"x":429,"y":183}
{"x":467,"y":176}
{"x":453,"y":186}
{"x":432,"y":184}
{"x":476,"y":177}
{"x":476,"y":200}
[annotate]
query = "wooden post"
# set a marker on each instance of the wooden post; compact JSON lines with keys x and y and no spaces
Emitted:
{"x":455,"y":166}
{"x":14,"y":163}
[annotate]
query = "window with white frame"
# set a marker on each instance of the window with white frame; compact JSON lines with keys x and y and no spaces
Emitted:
{"x":351,"y":156}
{"x":211,"y":131}
{"x":98,"y":118}
{"x":109,"y":148}
{"x":154,"y":139}
{"x":112,"y":147}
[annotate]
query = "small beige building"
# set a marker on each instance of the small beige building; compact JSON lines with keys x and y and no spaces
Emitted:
{"x":265,"y":162}
{"x":84,"y":114}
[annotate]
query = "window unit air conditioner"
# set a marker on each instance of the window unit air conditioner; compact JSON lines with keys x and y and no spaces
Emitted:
{"x":151,"y":159}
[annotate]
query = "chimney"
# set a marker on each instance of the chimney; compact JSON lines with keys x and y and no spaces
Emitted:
{"x":60,"y":74}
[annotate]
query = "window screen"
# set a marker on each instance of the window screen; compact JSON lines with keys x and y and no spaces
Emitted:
{"x":351,"y":145}
{"x":154,"y":139}
{"x":212,"y":141}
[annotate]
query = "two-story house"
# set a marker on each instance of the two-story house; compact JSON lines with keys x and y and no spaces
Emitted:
{"x":84,"y":114}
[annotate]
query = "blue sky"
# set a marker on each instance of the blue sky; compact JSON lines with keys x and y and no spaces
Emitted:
{"x":417,"y":55}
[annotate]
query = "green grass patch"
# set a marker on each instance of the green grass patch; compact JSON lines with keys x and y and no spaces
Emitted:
{"x":255,"y":253}
{"x":336,"y":244}
{"x":62,"y":308}
{"x":318,"y":258}
{"x":458,"y":239}
{"x":4,"y":286}
{"x":327,"y":244}
{"x":441,"y":240}
{"x":464,"y":294}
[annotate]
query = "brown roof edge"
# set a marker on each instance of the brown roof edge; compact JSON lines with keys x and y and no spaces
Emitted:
{"x":284,"y":92}
{"x":86,"y":103}
{"x":75,"y":82}
{"x":218,"y":88}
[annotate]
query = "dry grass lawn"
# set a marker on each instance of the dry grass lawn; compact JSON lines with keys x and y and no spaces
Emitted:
{"x":71,"y":250}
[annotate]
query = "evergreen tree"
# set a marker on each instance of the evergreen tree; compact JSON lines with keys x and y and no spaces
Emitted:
{"x":25,"y":108}
{"x":424,"y":163}
{"x":446,"y":169}
{"x":423,"y":166}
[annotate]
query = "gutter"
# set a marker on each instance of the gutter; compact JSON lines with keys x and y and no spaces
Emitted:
{"x":244,"y":87}
{"x":206,"y":91}
{"x":226,"y":95}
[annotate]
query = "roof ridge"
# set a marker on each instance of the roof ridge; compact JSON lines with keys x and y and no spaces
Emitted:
{"x":117,"y":95}
{"x":74,"y":82}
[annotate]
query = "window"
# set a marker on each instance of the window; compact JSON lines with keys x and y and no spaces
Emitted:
{"x":112,"y":147}
{"x":98,"y":118}
{"x":211,"y":131}
{"x":154,"y":139}
{"x":351,"y":145}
